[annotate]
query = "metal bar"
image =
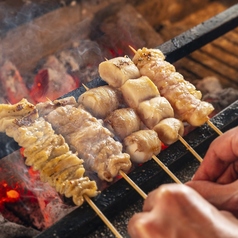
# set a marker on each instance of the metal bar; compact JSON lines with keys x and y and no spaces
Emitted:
{"x":198,"y":36}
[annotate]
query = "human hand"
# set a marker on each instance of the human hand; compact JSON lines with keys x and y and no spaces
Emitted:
{"x":220,"y":163}
{"x":178,"y":211}
{"x":216,"y":178}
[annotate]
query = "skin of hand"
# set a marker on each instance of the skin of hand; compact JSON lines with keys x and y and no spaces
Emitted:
{"x":216,"y":178}
{"x":177,"y":211}
{"x":204,"y":207}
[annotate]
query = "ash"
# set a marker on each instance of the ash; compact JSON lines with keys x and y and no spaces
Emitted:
{"x":38,"y":207}
{"x":13,"y":230}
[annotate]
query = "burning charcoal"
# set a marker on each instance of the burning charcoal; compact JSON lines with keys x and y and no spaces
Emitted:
{"x":12,"y":83}
{"x":208,"y":85}
{"x":25,"y":199}
{"x":222,"y":98}
{"x":213,"y":92}
{"x":52,"y":81}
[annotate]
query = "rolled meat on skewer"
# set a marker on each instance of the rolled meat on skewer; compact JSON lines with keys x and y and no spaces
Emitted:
{"x":101,"y":101}
{"x":182,"y":95}
{"x":117,"y":71}
{"x":142,"y":145}
{"x":46,"y":151}
{"x":123,"y":122}
{"x":169,"y":130}
{"x":93,"y":142}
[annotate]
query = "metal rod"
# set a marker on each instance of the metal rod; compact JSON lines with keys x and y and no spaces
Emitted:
{"x":198,"y":36}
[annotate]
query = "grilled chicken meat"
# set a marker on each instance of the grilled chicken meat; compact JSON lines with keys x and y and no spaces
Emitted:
{"x":123,"y":122}
{"x":101,"y":101}
{"x":152,"y":111}
{"x":46,"y":151}
{"x":137,"y":90}
{"x":182,"y":95}
{"x":169,"y":130}
{"x":118,"y":70}
{"x":92,"y":141}
{"x":141,"y":145}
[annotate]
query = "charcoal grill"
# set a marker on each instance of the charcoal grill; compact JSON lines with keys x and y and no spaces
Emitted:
{"x":120,"y":195}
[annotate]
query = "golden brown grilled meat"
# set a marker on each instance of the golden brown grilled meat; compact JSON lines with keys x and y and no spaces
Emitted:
{"x":101,"y":101}
{"x":169,"y":130}
{"x":46,"y":151}
{"x":117,"y":71}
{"x":141,"y":145}
{"x":181,"y":94}
{"x":92,"y":141}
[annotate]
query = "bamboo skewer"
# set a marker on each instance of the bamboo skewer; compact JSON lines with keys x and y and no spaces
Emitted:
{"x":195,"y":154}
{"x":101,"y":215}
{"x":166,"y":169}
{"x":214,"y":127}
{"x":133,"y":184}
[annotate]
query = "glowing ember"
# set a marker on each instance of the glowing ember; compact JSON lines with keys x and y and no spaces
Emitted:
{"x":8,"y":194}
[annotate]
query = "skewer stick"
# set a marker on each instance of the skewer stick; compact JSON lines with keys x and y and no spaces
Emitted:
{"x":133,"y":184}
{"x":86,"y":88}
{"x":214,"y":127}
{"x":101,"y":215}
{"x":125,"y":175}
{"x":166,"y":169}
{"x":196,"y":155}
{"x":133,"y":50}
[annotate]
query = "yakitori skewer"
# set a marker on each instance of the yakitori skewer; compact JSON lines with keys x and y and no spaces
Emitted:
{"x":175,"y":179}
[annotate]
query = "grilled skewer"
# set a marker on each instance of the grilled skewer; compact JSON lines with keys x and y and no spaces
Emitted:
{"x":182,"y":95}
{"x":46,"y":151}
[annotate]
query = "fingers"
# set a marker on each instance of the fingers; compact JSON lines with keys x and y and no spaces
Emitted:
{"x":224,"y":197}
{"x":222,"y":152}
{"x":172,"y":209}
{"x":142,"y":225}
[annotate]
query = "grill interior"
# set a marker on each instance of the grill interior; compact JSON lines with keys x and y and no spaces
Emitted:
{"x":120,"y":200}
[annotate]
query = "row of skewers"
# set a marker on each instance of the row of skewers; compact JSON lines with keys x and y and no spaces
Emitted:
{"x":108,"y":128}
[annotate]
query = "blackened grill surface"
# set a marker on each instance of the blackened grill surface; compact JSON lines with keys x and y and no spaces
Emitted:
{"x":200,"y":35}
